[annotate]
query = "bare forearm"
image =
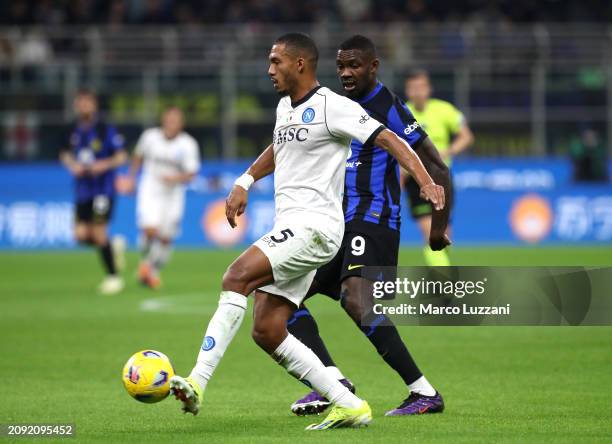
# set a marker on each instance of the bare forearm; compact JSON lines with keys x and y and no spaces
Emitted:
{"x":263,"y":165}
{"x":67,"y":159}
{"x":135,"y":166}
{"x":405,"y":156}
{"x":464,"y":139}
{"x":185,"y":177}
{"x":440,"y":173}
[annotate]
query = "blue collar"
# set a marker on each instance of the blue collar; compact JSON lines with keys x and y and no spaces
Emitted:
{"x":372,"y":94}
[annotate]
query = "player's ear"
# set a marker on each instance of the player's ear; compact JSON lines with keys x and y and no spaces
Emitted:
{"x":301,"y":64}
{"x":374,"y":66}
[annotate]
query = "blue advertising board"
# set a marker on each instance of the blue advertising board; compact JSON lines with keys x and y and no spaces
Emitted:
{"x":513,"y":201}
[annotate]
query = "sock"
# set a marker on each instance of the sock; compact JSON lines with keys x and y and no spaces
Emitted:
{"x":436,"y":258}
{"x":304,"y":327}
{"x":108,"y":260}
{"x":220,"y":331}
{"x":390,"y":346}
{"x":335,"y":372}
{"x":159,"y":253}
{"x":422,"y":386}
{"x":304,"y":365}
{"x":145,"y":246}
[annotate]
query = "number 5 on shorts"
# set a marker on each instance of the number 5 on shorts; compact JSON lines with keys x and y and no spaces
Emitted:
{"x":287,"y":233}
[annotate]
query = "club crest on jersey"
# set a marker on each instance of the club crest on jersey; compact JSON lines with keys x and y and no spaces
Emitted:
{"x":209,"y":343}
{"x":308,"y":115}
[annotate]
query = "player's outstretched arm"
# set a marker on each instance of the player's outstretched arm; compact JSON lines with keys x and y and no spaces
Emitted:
{"x":408,"y":160}
{"x":437,"y":169}
{"x":236,"y":202}
{"x":71,"y":164}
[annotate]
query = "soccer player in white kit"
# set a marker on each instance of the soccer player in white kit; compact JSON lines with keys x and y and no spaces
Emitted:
{"x":170,"y":159}
{"x":314,"y":128}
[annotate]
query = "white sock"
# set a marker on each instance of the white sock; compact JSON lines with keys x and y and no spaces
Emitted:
{"x":220,"y":331}
{"x":335,"y":372}
{"x":303,"y":364}
{"x":422,"y":386}
{"x":159,"y":253}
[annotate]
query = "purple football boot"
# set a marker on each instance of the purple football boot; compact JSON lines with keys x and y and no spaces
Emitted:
{"x":314,"y":404}
{"x":417,"y":404}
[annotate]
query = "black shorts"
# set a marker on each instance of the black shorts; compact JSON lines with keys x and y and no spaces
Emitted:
{"x":364,"y":245}
{"x":97,"y":210}
{"x":419,"y":207}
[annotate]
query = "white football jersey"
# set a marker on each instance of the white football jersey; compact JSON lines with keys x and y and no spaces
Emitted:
{"x":311,"y":145}
{"x":166,"y":157}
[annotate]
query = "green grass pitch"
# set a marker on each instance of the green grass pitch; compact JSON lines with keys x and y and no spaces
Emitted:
{"x":63,"y":347}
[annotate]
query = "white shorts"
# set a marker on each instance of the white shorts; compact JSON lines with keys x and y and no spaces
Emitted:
{"x":295,"y":249}
{"x":162,"y":211}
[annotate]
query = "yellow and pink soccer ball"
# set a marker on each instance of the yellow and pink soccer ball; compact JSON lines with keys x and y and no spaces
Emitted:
{"x":146,"y":376}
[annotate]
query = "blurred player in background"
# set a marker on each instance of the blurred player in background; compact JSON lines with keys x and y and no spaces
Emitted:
{"x":94,"y":151}
{"x":170,"y":159}
{"x":449,"y":132}
{"x":371,"y":236}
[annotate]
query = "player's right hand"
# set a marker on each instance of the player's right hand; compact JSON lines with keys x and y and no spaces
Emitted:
{"x":235,"y":204}
{"x":77,"y":169}
{"x":434,"y":194}
{"x":438,"y":242}
{"x":125,"y":184}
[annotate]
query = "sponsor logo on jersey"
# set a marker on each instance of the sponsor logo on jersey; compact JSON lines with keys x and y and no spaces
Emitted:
{"x":411,"y":128}
{"x":364,"y":119}
{"x":353,"y":164}
{"x":308,"y":115}
{"x":290,"y":134}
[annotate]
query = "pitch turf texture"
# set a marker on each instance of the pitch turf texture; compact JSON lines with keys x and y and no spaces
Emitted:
{"x":63,"y":348}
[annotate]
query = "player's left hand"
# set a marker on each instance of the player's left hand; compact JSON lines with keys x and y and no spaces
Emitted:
{"x":171,"y":180}
{"x":438,"y":242}
{"x":434,"y":194}
{"x":235,"y":204}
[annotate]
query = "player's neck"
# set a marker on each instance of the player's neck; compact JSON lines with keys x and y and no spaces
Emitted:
{"x":420,"y":106}
{"x":371,"y":87}
{"x":87,"y":120}
{"x":302,"y":91}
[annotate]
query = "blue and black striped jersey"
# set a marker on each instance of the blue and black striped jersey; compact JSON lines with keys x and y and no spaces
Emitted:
{"x":372,"y":189}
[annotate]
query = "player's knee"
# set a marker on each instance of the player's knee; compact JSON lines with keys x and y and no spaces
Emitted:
{"x":267,"y":335}
{"x":150,"y":232}
{"x":235,"y":279}
{"x":82,"y":235}
{"x":82,"y":238}
{"x":350,"y":299}
{"x":99,"y":238}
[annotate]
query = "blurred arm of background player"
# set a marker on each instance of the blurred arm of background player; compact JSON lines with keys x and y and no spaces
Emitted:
{"x":462,"y":140}
{"x":98,"y":167}
{"x":236,"y":202}
{"x":422,"y":164}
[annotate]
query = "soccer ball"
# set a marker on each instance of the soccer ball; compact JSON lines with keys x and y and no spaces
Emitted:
{"x":146,"y":376}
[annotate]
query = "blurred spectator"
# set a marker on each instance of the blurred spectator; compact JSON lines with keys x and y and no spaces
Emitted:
{"x":589,"y":156}
{"x":117,"y":14}
{"x":24,"y":12}
{"x":31,"y":54}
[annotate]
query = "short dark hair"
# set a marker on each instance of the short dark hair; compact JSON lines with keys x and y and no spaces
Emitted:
{"x":86,"y":92}
{"x":416,"y":73}
{"x":360,"y":43}
{"x":300,"y":44}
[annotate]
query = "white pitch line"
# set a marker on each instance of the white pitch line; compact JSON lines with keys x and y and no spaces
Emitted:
{"x":185,"y":303}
